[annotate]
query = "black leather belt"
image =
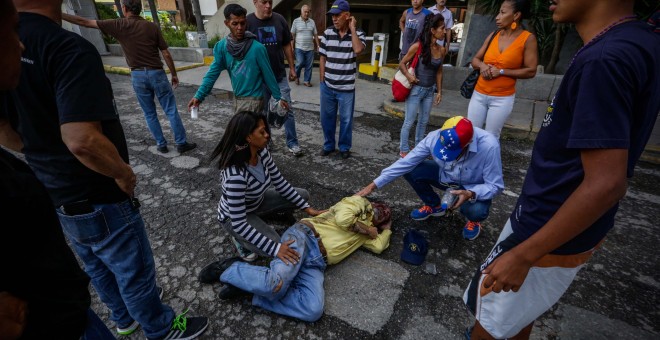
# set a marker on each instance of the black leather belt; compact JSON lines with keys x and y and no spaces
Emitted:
{"x":145,"y":68}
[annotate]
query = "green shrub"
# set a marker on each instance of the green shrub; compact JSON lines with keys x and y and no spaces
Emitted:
{"x":106,"y":12}
{"x":214,"y":41}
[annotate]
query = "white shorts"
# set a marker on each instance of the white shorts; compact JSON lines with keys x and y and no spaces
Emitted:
{"x":505,"y":314}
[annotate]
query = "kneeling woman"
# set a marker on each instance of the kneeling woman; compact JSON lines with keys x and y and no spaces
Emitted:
{"x":247,"y":173}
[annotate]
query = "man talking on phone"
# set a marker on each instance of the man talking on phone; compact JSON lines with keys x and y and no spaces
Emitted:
{"x":340,"y":45}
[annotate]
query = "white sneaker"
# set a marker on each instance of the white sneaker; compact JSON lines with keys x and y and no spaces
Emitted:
{"x":296,"y":150}
{"x":243,"y":253}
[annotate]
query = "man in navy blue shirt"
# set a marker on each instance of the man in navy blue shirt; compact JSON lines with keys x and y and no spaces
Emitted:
{"x":592,"y":136}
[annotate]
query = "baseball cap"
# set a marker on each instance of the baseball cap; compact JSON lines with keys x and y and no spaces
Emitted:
{"x":339,"y":6}
{"x":455,"y":134}
{"x":415,"y":248}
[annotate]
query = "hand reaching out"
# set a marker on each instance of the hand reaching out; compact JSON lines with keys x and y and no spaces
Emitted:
{"x":507,"y":272}
{"x":313,"y":212}
{"x":367,"y":190}
{"x":286,"y":254}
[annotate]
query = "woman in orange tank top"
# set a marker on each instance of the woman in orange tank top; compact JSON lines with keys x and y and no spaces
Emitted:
{"x":511,"y":55}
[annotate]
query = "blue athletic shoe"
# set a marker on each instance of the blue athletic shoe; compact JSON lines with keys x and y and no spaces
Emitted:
{"x":425,"y":211}
{"x":471,"y":230}
{"x":468,"y":333}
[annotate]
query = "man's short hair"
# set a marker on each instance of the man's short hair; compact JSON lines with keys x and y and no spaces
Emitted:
{"x":235,"y":9}
{"x":133,"y":6}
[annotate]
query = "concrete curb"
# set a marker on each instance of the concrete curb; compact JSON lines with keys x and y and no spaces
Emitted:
{"x":651,"y":153}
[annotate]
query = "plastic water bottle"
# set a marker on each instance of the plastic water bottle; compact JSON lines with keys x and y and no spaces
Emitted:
{"x":448,"y":199}
{"x":194,"y":111}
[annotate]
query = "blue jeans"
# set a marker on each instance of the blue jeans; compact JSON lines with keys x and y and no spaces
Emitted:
{"x":112,"y":243}
{"x":148,"y":83}
{"x":301,"y":294}
{"x":420,"y":98}
{"x":333,"y":102}
{"x":95,"y":328}
{"x":426,"y":175}
{"x":290,"y":122}
{"x":304,"y":59}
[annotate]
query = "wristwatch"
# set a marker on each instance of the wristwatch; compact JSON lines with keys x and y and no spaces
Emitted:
{"x":473,"y":198}
{"x":501,"y":71}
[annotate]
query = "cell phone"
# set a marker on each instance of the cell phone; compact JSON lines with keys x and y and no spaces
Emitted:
{"x":77,"y":208}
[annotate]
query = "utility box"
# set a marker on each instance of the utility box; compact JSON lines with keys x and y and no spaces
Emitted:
{"x":379,"y":49}
{"x":197,"y":39}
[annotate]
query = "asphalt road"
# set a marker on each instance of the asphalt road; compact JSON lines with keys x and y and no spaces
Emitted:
{"x":374,"y":297}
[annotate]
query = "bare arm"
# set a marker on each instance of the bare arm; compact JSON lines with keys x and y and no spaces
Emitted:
{"x":322,"y":68}
{"x":403,"y":65}
{"x":530,"y":61}
{"x":477,"y":61}
{"x":80,"y":21}
{"x":358,"y":47}
{"x":447,"y":38}
{"x":170,"y":64}
{"x":288,"y":53}
{"x":293,"y":42}
{"x":402,"y":21}
{"x":438,"y":80}
{"x":599,"y":191}
{"x":316,"y":42}
{"x":93,"y":149}
{"x":9,"y":138}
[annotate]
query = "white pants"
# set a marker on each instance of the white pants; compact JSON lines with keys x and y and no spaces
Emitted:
{"x":491,"y":110}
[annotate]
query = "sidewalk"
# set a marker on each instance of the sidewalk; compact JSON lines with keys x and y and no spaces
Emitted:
{"x":374,"y":98}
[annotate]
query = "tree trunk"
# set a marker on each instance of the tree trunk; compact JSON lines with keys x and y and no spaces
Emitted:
{"x":118,"y":5}
{"x":560,"y":34}
{"x":154,"y":12}
{"x":198,"y":15}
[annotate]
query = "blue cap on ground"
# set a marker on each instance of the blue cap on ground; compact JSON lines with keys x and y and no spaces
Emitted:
{"x":339,"y":6}
{"x":415,"y":248}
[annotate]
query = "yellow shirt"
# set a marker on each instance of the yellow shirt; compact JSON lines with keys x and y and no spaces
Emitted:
{"x":334,"y":228}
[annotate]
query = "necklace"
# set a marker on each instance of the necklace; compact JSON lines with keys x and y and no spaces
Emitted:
{"x":600,"y":34}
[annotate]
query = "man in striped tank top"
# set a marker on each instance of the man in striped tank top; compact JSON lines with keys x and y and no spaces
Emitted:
{"x":340,"y":46}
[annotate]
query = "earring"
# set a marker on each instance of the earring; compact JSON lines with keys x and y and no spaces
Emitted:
{"x":514,"y":26}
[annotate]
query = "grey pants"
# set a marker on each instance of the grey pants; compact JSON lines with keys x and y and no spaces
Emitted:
{"x":252,"y":104}
{"x":273,"y":202}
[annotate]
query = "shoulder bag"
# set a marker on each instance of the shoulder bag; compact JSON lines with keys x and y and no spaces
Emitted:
{"x":471,"y":81}
{"x":400,"y":84}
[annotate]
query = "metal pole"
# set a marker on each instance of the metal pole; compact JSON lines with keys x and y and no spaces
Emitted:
{"x":198,"y":16}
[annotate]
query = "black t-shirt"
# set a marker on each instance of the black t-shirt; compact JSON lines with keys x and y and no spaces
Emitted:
{"x":608,"y":99}
{"x":63,"y":81}
{"x":274,"y":33}
{"x":38,"y":265}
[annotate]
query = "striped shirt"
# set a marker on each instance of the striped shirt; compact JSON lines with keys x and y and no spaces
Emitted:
{"x":305,"y":32}
{"x":242,"y":193}
{"x":340,"y":66}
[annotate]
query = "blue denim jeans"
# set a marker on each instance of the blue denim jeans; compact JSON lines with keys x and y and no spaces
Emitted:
{"x":112,"y":243}
{"x":426,"y":175}
{"x":290,"y":122}
{"x":333,"y":102}
{"x":148,"y":83}
{"x":304,"y":59}
{"x":420,"y":99}
{"x":301,"y":295}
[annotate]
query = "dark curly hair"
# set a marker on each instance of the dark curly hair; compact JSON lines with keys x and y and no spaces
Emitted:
{"x":426,"y":38}
{"x":133,"y":6}
{"x":522,"y":6}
